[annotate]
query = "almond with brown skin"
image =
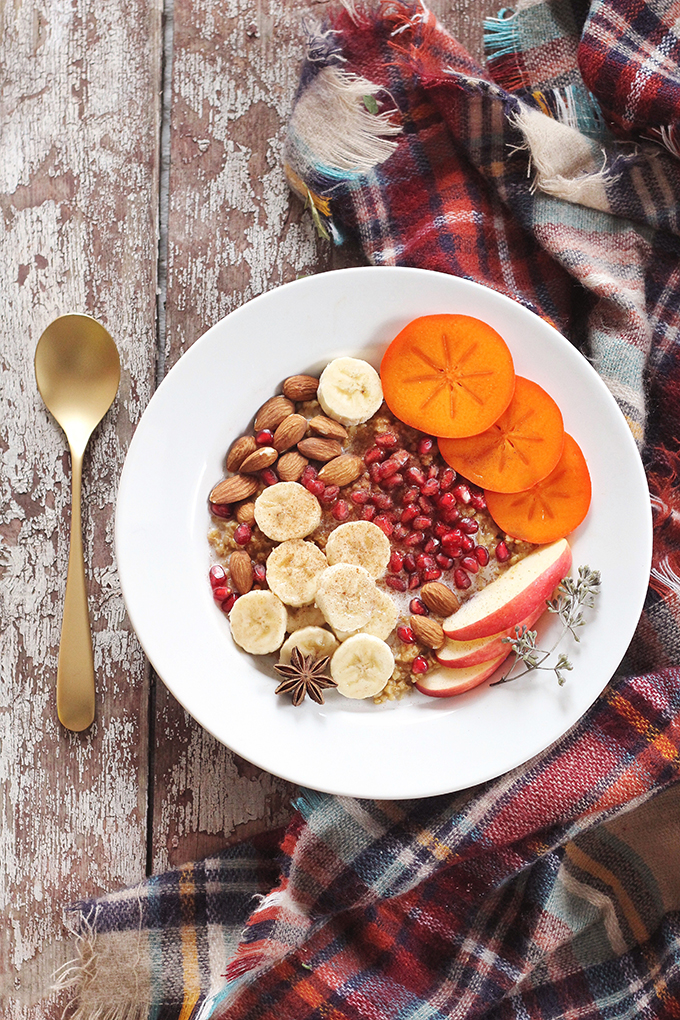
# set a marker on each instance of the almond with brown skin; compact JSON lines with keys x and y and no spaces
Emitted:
{"x":234,"y":489}
{"x":272,"y":413}
{"x":440,"y":599}
{"x":262,"y":458}
{"x":342,"y":470}
{"x":320,"y":449}
{"x":289,"y":432}
{"x":241,"y":570}
{"x":327,"y":428}
{"x":300,"y":387}
{"x":243,"y":446}
{"x":245,"y":513}
{"x":427,"y":631}
{"x":291,"y":466}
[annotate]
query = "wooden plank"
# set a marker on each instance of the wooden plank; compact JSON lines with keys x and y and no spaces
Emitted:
{"x":234,"y":231}
{"x":78,"y":191}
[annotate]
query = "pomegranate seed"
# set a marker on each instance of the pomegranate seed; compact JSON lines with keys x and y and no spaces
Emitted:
{"x":440,"y":529}
{"x":445,"y":562}
{"x":243,"y":534}
{"x":462,"y":493}
{"x":393,"y":515}
{"x":217,"y":575}
{"x":308,"y":474}
{"x":269,"y":476}
{"x":461,"y":579}
{"x":424,"y":562}
{"x":478,"y":500}
{"x":360,"y":496}
{"x":408,"y":514}
{"x":454,"y":537}
{"x":502,"y":552}
{"x":469,"y":526}
{"x":482,"y":554}
{"x":415,"y":538}
{"x":387,"y":440}
{"x":432,"y":575}
{"x":396,"y":561}
{"x":410,"y":495}
{"x":450,"y":515}
{"x":393,"y":481}
{"x":415,"y":476}
{"x":426,"y":505}
{"x":418,"y":608}
{"x":431,"y":545}
{"x":374,"y":472}
{"x":330,"y":494}
{"x":400,"y":532}
{"x":431,"y":487}
{"x":382,"y":501}
{"x":467,"y":544}
{"x":228,"y":603}
{"x":341,"y":510}
{"x":221,"y":593}
{"x":414,"y":581}
{"x":419,"y":665}
{"x":385,"y":524}
{"x":448,"y":477}
{"x":433,"y":471}
{"x":387,"y":468}
{"x":447,"y":500}
{"x":374,"y":455}
{"x":397,"y":583}
{"x":406,"y":635}
{"x":422,"y":523}
{"x":470,"y":564}
{"x":368,"y":513}
{"x":425,"y":445}
{"x":316,"y":487}
{"x":264,"y":438}
{"x":400,"y":457}
{"x":223,"y":510}
{"x":259,"y":573}
{"x":410,"y":563}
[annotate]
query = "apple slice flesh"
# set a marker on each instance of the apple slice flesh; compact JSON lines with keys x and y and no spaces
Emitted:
{"x":445,"y":683}
{"x":459,"y":654}
{"x":513,"y":596}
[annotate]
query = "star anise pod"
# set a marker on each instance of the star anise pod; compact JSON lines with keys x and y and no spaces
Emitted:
{"x":305,"y":675}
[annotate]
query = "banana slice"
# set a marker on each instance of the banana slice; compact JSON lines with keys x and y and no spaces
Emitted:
{"x":258,"y":622}
{"x":293,"y":570}
{"x":346,"y":596}
{"x":361,"y":666}
{"x":316,"y":641}
{"x":382,"y":622}
{"x":349,"y":391}
{"x":287,"y":510}
{"x":362,"y":543}
{"x":305,"y":616}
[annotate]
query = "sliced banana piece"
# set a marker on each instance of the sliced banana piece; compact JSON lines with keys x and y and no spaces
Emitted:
{"x":361,"y":666}
{"x":382,"y":622}
{"x":349,"y":391}
{"x":304,"y":616}
{"x":287,"y":510}
{"x":258,"y":622}
{"x":346,"y":596}
{"x":362,"y":543}
{"x":316,"y":641}
{"x":293,"y":570}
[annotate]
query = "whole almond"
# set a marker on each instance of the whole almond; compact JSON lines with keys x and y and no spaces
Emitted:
{"x":300,"y":387}
{"x":342,"y":470}
{"x":234,"y":489}
{"x":320,"y":449}
{"x":262,"y":458}
{"x":291,"y":466}
{"x":289,"y":432}
{"x":427,"y":631}
{"x":272,"y":413}
{"x":245,"y":513}
{"x":243,"y":446}
{"x":327,"y":428}
{"x":241,"y":570}
{"x":440,"y":599}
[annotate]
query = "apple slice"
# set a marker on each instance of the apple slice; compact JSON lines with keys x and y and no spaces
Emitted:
{"x":444,"y":683}
{"x":513,"y":596}
{"x":459,"y":654}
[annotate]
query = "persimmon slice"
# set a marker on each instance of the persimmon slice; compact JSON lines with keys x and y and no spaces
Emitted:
{"x":449,"y":375}
{"x":551,"y":508}
{"x":519,"y":449}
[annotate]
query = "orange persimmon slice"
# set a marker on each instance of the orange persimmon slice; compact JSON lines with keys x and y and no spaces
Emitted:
{"x":519,"y":449}
{"x":551,"y":508}
{"x":449,"y":375}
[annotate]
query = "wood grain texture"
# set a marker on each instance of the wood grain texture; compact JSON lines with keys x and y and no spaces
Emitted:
{"x":78,"y":196}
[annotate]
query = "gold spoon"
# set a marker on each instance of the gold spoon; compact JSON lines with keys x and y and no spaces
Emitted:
{"x":77,"y":370}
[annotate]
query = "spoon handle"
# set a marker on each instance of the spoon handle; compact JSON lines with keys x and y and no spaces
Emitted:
{"x":75,"y":671}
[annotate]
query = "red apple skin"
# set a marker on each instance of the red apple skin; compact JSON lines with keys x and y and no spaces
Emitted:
{"x":489,"y":648}
{"x":446,"y":683}
{"x":487,"y":614}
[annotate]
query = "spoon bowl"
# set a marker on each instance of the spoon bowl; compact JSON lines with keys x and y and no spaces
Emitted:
{"x":77,"y":370}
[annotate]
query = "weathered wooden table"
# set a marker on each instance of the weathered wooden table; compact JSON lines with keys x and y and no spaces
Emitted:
{"x":141,"y":182}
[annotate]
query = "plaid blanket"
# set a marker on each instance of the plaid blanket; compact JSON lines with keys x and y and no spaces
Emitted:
{"x":551,"y":175}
